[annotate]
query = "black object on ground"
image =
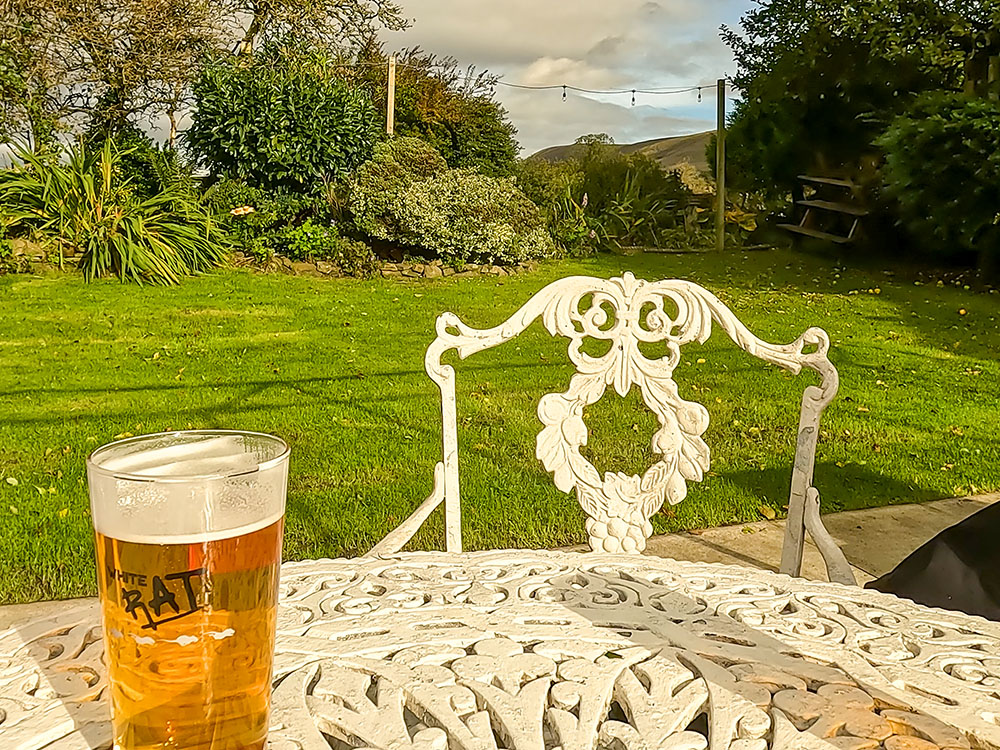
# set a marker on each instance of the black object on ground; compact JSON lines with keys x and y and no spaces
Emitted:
{"x":959,"y":569}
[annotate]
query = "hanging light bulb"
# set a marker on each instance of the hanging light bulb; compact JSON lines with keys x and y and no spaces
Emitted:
{"x":699,"y":94}
{"x":564,"y":92}
{"x":633,"y":97}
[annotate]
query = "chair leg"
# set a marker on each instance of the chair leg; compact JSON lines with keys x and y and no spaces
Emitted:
{"x":795,"y":532}
{"x":838,"y":570}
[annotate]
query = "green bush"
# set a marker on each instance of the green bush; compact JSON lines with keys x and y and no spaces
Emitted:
{"x":280,"y":119}
{"x":942,"y":169}
{"x":9,"y":263}
{"x":406,"y":195}
{"x":262,"y":223}
{"x":80,"y":203}
{"x":604,"y":198}
{"x":254,"y":217}
{"x":546,"y":183}
{"x":378,"y":187}
{"x":312,"y":241}
{"x":556,"y":188}
{"x":630,"y":194}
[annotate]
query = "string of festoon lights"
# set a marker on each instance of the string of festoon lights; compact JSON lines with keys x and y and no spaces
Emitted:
{"x":565,"y":88}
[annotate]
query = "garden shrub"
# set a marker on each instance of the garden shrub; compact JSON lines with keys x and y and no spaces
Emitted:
{"x":298,"y":226}
{"x":633,"y":184}
{"x":80,"y":202}
{"x":546,"y":183}
{"x":313,"y":241}
{"x":254,"y":217}
{"x":942,"y":169}
{"x":9,"y":263}
{"x":467,"y":216}
{"x":280,"y":118}
{"x":604,"y":198}
{"x":380,"y":184}
{"x":407,"y":195}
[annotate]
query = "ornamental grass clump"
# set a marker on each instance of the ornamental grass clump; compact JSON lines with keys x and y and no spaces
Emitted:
{"x":80,"y":204}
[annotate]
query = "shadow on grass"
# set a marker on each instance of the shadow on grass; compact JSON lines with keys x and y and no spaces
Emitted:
{"x":848,"y":487}
{"x":247,"y":390}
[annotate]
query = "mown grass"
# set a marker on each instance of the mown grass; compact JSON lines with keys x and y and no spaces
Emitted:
{"x":336,"y":367}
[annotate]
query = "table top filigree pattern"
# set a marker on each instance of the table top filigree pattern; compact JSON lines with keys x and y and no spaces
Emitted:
{"x":559,"y":650}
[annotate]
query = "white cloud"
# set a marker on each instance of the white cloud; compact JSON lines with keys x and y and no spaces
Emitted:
{"x":596,"y":44}
{"x":545,"y":70}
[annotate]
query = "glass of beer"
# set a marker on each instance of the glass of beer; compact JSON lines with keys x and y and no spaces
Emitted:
{"x":188,"y":528}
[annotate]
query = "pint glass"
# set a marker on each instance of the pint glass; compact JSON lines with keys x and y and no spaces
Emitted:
{"x":188,"y":536}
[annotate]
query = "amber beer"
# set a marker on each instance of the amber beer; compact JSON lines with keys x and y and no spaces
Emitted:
{"x":188,"y":534}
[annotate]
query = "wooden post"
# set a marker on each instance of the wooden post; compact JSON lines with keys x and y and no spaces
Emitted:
{"x":720,"y":170}
{"x":390,"y":103}
{"x":970,"y":76}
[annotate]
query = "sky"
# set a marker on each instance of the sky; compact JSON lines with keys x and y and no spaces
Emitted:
{"x":594,"y":44}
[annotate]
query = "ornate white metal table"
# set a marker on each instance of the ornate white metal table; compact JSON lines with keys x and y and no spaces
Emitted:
{"x":542,"y":650}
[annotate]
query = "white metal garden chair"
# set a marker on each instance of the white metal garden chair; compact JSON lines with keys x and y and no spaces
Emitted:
{"x":628,"y":312}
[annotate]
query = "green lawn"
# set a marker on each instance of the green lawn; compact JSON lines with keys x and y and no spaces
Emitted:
{"x":336,"y":368}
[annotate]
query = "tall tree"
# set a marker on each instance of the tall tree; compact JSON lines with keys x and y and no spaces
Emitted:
{"x":940,"y":35}
{"x":344,"y":23}
{"x":40,"y":72}
{"x":821,"y":79}
{"x":451,"y":107}
{"x":106,"y":63}
{"x":141,"y":54}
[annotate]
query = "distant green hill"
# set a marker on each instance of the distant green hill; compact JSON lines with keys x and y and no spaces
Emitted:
{"x":669,"y":152}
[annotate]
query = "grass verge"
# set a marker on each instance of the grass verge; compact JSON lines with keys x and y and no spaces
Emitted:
{"x":336,"y":368}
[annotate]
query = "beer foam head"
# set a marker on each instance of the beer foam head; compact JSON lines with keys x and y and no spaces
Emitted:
{"x":183,"y":487}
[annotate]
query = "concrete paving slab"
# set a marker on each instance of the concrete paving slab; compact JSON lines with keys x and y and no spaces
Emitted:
{"x":878,"y":539}
{"x":755,"y":545}
{"x":874,"y":540}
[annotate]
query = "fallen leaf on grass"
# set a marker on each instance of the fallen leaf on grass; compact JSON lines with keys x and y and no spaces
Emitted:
{"x":63,"y":513}
{"x":768,"y":512}
{"x":13,"y":510}
{"x":12,"y":482}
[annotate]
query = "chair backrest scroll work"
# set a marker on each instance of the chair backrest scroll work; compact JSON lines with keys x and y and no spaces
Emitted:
{"x":627,"y":313}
